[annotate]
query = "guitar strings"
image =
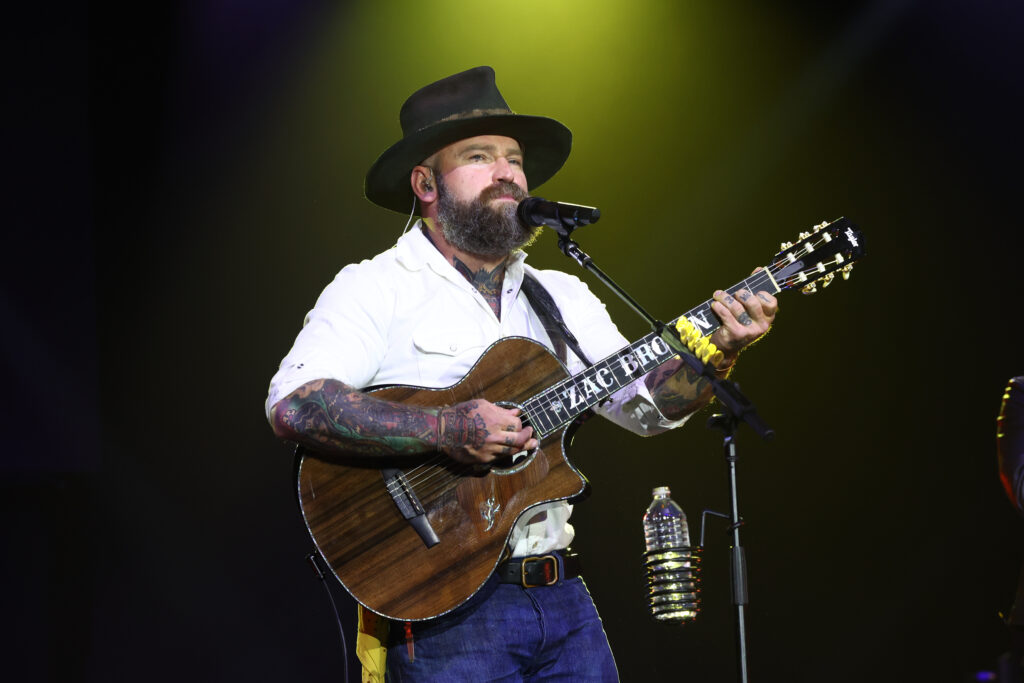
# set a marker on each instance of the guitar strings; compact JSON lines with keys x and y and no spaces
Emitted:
{"x":551,"y":394}
{"x":752,"y":282}
{"x":437,"y":472}
{"x":427,"y":471}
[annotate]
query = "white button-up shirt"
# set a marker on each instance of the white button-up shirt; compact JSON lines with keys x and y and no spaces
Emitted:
{"x":408,"y":316}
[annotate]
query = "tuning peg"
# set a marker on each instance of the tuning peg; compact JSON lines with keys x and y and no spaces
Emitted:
{"x":785,"y":245}
{"x":847,"y":269}
{"x":810,"y":288}
{"x":804,"y":235}
{"x":827,"y":280}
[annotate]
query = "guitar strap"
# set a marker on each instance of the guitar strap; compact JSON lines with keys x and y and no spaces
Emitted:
{"x":551,"y":317}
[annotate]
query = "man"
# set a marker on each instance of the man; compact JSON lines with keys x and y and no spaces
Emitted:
{"x":422,"y":313}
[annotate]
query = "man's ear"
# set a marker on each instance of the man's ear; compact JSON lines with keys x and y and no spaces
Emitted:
{"x":423,"y":184}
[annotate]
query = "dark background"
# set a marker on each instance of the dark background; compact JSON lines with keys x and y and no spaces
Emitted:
{"x":182,"y":180}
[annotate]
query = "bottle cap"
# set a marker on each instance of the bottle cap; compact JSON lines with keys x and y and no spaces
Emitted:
{"x":661,"y":491}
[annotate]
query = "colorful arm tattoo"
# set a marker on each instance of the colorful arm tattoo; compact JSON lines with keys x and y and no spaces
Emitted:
{"x":330,"y":414}
{"x":677,"y":390}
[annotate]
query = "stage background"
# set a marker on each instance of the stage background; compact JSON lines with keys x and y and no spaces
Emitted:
{"x":183,"y":180}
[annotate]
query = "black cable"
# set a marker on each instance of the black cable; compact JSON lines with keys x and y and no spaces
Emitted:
{"x":311,"y":558}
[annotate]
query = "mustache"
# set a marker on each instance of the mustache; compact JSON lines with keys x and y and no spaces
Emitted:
{"x":502,"y":188}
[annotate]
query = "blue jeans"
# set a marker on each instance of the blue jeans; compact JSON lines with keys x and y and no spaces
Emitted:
{"x":509,"y":633}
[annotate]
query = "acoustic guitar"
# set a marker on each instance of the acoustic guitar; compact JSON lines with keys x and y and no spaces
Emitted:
{"x":414,"y":537}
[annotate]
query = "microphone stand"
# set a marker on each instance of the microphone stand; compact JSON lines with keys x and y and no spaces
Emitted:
{"x":737,"y":409}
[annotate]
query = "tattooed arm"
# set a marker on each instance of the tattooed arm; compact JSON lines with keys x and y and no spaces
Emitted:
{"x":679,"y":391}
{"x":328,"y":415}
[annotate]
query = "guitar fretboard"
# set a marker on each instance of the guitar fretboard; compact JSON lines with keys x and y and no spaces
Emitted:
{"x":559,"y":405}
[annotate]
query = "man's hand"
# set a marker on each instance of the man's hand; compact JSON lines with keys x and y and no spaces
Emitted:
{"x":478,"y":432}
{"x":745,"y":317}
{"x":677,"y":390}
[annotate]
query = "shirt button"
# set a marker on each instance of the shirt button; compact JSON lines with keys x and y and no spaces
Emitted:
{"x":454,"y":348}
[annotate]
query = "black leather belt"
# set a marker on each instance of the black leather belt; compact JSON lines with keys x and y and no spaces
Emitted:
{"x":539,"y":570}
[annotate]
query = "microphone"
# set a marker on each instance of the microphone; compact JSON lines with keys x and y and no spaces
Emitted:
{"x":534,"y":211}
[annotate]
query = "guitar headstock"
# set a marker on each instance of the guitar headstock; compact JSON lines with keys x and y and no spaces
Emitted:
{"x":818,"y":256}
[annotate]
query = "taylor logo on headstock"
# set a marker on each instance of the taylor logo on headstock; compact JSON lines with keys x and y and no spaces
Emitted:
{"x":850,"y":235}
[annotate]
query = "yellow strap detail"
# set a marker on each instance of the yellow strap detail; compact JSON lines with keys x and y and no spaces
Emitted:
{"x":370,"y":645}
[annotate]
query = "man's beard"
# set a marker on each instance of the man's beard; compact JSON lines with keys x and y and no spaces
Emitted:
{"x":478,"y":228}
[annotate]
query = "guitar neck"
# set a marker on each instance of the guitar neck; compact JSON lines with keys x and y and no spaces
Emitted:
{"x":562,"y":403}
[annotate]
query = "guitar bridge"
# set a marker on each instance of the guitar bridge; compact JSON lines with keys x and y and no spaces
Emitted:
{"x":409,"y":505}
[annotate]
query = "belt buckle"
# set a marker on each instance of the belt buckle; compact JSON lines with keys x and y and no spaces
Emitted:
{"x":549,"y":581}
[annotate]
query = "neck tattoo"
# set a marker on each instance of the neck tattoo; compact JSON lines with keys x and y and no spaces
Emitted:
{"x":488,"y":283}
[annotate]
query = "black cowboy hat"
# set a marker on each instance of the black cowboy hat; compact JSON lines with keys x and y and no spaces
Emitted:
{"x":454,"y":108}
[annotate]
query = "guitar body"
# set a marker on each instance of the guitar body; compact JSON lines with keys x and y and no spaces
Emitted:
{"x":373,"y":549}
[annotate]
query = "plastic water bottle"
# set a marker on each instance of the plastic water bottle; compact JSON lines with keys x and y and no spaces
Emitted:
{"x":671,"y":563}
{"x":665,"y":523}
